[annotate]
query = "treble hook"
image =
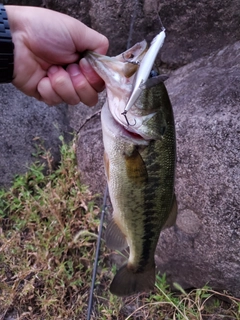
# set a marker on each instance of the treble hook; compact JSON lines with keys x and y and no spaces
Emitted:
{"x":124,"y":113}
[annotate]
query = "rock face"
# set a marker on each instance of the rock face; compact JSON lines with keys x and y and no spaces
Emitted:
{"x":23,"y":119}
{"x":204,"y":245}
{"x":86,"y":122}
{"x":194,"y":28}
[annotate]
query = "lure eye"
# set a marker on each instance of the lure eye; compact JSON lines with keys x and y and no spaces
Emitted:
{"x":153,"y":74}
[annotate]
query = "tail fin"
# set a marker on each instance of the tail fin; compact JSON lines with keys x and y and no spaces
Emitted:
{"x":127,"y":282}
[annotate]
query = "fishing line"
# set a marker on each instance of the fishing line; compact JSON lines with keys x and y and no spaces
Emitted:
{"x":124,"y":113}
{"x":90,"y":302}
{"x":132,"y":23}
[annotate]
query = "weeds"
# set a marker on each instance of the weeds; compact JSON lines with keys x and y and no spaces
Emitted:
{"x":48,"y":232}
{"x":47,"y":236}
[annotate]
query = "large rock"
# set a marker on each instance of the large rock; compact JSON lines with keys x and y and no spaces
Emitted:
{"x":194,"y":28}
{"x":86,"y":122}
{"x":204,"y":245}
{"x":26,"y":123}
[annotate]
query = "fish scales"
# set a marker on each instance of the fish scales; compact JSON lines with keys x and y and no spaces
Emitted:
{"x":139,"y":165}
{"x":161,"y":175}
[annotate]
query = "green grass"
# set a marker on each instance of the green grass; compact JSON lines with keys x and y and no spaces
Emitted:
{"x":48,"y":232}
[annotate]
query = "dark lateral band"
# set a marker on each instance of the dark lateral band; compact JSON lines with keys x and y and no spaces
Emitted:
{"x":6,"y":48}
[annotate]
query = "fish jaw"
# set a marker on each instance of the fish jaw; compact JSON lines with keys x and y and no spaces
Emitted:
{"x":125,"y":64}
{"x":118,"y":74}
{"x":111,"y":69}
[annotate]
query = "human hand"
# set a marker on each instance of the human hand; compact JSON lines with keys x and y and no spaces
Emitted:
{"x":47,"y":41}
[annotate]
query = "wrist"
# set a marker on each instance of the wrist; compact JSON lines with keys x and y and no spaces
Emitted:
{"x":6,"y":48}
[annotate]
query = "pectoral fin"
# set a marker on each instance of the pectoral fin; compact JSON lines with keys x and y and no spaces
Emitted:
{"x":172,"y":216}
{"x":114,"y":237}
{"x":136,"y":168}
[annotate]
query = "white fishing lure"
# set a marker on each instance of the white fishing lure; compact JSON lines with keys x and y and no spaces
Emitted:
{"x":145,"y":69}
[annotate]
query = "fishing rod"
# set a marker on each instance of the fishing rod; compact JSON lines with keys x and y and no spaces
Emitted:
{"x":90,"y":302}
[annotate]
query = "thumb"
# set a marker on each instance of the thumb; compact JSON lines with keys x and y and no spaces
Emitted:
{"x":86,"y":38}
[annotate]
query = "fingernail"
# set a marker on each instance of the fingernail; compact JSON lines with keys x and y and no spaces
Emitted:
{"x":85,"y":65}
{"x":73,"y":70}
{"x":53,"y":69}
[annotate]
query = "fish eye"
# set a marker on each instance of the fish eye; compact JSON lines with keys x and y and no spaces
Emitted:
{"x":129,"y":59}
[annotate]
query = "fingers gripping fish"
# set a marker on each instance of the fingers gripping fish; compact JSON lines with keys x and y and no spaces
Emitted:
{"x":139,"y":165}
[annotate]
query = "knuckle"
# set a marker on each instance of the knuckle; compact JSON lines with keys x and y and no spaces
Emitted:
{"x":59,"y":81}
{"x":81,"y":86}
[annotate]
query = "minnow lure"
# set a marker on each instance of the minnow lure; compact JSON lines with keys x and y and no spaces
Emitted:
{"x":145,"y":67}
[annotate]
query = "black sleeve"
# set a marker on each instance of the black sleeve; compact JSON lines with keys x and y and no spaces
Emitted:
{"x":6,"y":48}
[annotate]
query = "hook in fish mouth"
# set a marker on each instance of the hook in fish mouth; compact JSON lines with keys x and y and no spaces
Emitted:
{"x":124,"y":113}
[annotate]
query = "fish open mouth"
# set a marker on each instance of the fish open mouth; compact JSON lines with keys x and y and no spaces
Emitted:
{"x":132,"y":134}
{"x":119,"y":130}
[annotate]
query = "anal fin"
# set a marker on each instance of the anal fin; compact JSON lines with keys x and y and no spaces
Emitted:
{"x":114,"y":237}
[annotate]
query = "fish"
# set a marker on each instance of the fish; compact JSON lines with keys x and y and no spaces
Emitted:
{"x":139,"y":160}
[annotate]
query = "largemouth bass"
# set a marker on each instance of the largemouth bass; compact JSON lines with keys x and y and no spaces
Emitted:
{"x":139,"y":162}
